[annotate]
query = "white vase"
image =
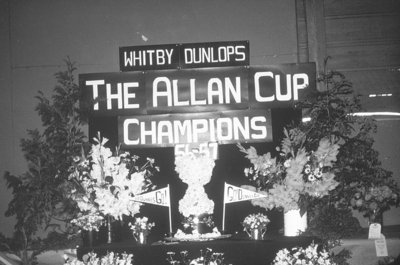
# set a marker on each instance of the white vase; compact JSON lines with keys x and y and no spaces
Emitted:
{"x":294,"y":224}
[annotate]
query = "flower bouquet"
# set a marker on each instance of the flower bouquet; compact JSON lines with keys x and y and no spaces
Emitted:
{"x":207,"y":257}
{"x":296,"y":175}
{"x":89,"y":221}
{"x":92,"y":259}
{"x":103,"y":184}
{"x":294,"y":178}
{"x":141,"y":229}
{"x":255,"y":225}
{"x":309,"y":255}
{"x":374,"y":200}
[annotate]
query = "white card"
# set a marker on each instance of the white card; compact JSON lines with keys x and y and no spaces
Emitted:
{"x":381,"y":247}
{"x":374,"y":231}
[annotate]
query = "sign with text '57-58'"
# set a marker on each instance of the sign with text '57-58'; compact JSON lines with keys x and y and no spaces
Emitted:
{"x":182,"y":56}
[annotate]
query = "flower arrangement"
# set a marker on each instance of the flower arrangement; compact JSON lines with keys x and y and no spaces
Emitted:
{"x":141,"y":225}
{"x":309,"y":255}
{"x":195,"y":169}
{"x":110,"y":258}
{"x":104,"y":184}
{"x":89,"y":221}
{"x":255,"y":221}
{"x":374,"y":200}
{"x":207,"y":257}
{"x":295,"y":174}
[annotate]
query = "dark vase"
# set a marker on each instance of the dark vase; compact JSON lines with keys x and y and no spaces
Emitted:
{"x":203,"y":228}
{"x":89,"y":238}
{"x":102,"y":234}
{"x":116,"y":231}
{"x":112,"y":231}
{"x":141,"y":238}
{"x":376,"y":216}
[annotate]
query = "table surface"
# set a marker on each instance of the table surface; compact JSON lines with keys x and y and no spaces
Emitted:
{"x":241,"y":250}
{"x":237,"y":251}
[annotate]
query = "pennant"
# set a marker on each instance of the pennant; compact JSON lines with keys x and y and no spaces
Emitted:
{"x":237,"y":194}
{"x":158,"y":197}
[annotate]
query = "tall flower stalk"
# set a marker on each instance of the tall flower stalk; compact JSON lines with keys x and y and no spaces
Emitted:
{"x":104,"y":184}
{"x":296,"y":175}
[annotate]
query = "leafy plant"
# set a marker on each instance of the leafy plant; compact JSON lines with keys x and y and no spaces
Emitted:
{"x":357,"y":166}
{"x":38,"y":201}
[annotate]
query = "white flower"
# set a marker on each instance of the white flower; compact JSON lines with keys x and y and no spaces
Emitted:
{"x":196,"y":171}
{"x":110,"y":258}
{"x":255,"y":221}
{"x":308,"y":256}
{"x":108,"y":186}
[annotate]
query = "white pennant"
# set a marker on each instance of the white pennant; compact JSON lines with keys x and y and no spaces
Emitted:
{"x":158,"y":197}
{"x":237,"y":194}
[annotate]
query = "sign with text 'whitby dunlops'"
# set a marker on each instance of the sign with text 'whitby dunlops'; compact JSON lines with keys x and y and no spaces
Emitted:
{"x":181,"y":56}
{"x":196,"y":90}
{"x":165,"y":130}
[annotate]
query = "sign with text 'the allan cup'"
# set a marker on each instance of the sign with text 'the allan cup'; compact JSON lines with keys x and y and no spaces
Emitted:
{"x":193,"y":102}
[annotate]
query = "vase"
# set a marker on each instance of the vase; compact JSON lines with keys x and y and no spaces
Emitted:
{"x":376,"y":216}
{"x":141,"y":238}
{"x":89,"y":238}
{"x":294,"y":223}
{"x":256,"y":234}
{"x":203,"y":228}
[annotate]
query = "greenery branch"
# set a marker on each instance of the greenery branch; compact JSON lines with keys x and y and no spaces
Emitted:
{"x":38,"y":200}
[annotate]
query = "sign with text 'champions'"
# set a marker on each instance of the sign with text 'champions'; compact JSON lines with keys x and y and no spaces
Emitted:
{"x":166,"y":130}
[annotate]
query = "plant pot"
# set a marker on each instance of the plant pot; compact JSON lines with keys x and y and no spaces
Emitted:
{"x":141,"y":238}
{"x":89,"y":238}
{"x":294,"y":223}
{"x":203,"y":228}
{"x":375,"y":216}
{"x":256,"y":234}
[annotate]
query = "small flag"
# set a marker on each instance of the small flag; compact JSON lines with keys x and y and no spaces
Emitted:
{"x":158,"y":197}
{"x":237,"y":194}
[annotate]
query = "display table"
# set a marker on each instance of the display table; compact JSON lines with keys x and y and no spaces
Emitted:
{"x":363,"y":251}
{"x":236,"y":251}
